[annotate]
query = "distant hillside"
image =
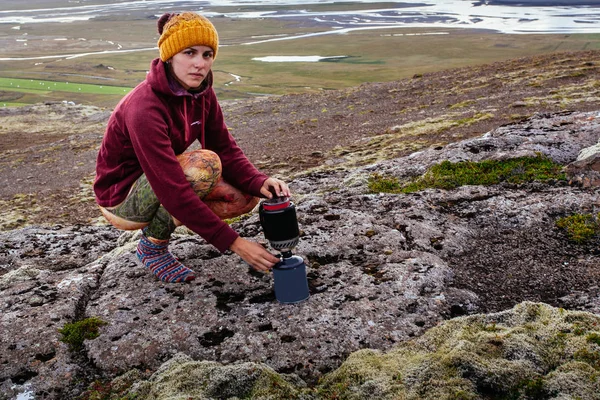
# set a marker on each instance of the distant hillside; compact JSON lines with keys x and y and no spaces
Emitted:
{"x":49,"y":150}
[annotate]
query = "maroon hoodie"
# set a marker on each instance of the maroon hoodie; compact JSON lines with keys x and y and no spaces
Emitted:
{"x":150,"y":126}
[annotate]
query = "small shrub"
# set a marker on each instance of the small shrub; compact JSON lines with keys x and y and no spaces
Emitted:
{"x":76,"y":332}
{"x":578,"y":330}
{"x":98,"y":391}
{"x":579,"y":227}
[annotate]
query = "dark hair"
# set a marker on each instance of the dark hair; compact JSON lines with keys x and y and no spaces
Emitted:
{"x":163,"y":20}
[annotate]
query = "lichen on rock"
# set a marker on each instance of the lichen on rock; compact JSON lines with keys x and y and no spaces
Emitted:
{"x":183,"y":378}
{"x":531,"y":350}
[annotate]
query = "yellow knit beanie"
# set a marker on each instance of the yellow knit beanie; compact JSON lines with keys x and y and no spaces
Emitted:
{"x":180,"y":31}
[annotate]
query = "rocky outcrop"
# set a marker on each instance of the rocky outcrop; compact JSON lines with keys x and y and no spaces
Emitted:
{"x":382,"y":269}
{"x":530,"y":351}
{"x":228,"y":314}
{"x":47,"y":277}
{"x":585,"y":171}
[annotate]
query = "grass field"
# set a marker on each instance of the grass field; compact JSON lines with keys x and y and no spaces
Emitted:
{"x":34,"y":89}
{"x":370,"y":56}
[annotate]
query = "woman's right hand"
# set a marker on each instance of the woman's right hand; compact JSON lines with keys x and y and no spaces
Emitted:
{"x":254,"y":254}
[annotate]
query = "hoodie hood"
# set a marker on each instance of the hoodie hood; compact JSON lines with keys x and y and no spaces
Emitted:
{"x":161,"y":81}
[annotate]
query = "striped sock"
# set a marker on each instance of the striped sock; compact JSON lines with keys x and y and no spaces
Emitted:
{"x":158,"y":259}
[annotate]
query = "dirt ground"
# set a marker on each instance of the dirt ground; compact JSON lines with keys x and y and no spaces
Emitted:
{"x":48,"y":151}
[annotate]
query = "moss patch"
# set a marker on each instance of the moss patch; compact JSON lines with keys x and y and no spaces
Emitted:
{"x":534,"y":352}
{"x":579,"y":227}
{"x":76,"y":332}
{"x":113,"y":390}
{"x":183,"y":378}
{"x":448,"y":175}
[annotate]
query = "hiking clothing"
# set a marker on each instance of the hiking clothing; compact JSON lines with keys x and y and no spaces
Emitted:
{"x":150,"y":126}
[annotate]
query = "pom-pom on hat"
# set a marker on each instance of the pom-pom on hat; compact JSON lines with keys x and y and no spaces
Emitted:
{"x":180,"y":31}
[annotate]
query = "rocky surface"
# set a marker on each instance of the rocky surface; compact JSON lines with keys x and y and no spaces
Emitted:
{"x":530,"y":351}
{"x":508,"y":230}
{"x":48,"y":274}
{"x":382,"y":269}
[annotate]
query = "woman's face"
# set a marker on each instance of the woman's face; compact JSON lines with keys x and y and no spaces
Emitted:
{"x":191,"y":65}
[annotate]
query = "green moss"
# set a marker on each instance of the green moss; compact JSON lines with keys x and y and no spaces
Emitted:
{"x":230,"y":221}
{"x":448,"y":175}
{"x":76,"y":332}
{"x":579,"y":227}
{"x":233,"y":220}
{"x":535,"y":353}
{"x":100,"y":390}
{"x":593,"y":338}
{"x":534,"y":388}
{"x":578,"y":330}
{"x":183,"y":378}
{"x":589,"y":357}
{"x":384,"y":184}
{"x":455,"y":361}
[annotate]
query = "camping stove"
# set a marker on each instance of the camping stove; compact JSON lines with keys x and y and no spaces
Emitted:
{"x":280,"y":227}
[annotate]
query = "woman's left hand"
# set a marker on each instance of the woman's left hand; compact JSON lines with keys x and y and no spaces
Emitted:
{"x":277,"y":186}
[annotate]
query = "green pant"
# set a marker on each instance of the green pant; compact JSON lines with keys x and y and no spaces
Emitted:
{"x":202,"y":169}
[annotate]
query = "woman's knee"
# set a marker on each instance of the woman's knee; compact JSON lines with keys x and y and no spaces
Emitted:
{"x":232,"y":206}
{"x":201,"y":159}
{"x":202,"y":168}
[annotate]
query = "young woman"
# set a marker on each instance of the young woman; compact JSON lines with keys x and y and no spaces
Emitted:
{"x":145,"y":179}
